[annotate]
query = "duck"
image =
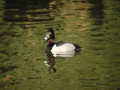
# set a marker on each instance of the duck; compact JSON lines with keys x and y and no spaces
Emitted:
{"x":58,"y":49}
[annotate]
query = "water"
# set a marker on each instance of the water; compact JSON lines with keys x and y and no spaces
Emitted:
{"x":93,"y":24}
{"x":26,"y":13}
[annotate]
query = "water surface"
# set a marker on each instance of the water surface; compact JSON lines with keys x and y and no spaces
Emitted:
{"x":93,"y":24}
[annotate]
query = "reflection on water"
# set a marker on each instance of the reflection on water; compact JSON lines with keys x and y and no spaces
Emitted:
{"x":97,"y":11}
{"x":29,"y":13}
{"x":94,"y":24}
{"x":98,"y":36}
{"x":103,"y":38}
{"x":28,"y":4}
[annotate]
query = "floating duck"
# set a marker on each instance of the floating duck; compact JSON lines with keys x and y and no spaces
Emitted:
{"x":58,"y":49}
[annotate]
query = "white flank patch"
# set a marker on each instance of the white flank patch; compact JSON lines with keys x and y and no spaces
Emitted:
{"x":65,"y":50}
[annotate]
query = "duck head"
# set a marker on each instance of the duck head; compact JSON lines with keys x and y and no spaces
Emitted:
{"x":49,"y":35}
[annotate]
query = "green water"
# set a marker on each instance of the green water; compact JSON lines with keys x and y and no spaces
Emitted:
{"x":93,"y":24}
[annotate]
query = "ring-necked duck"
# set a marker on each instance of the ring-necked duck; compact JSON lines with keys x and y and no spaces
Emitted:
{"x":58,"y":49}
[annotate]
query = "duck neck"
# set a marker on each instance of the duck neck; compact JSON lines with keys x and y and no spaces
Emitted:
{"x":50,"y":41}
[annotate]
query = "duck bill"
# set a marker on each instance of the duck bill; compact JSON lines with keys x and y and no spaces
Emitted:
{"x":46,"y":38}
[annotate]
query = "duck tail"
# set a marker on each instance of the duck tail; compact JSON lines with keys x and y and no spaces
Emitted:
{"x":78,"y":48}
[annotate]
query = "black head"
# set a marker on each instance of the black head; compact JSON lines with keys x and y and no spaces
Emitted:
{"x":50,"y":34}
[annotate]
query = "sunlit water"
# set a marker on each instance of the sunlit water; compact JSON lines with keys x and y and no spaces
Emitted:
{"x":94,"y":22}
